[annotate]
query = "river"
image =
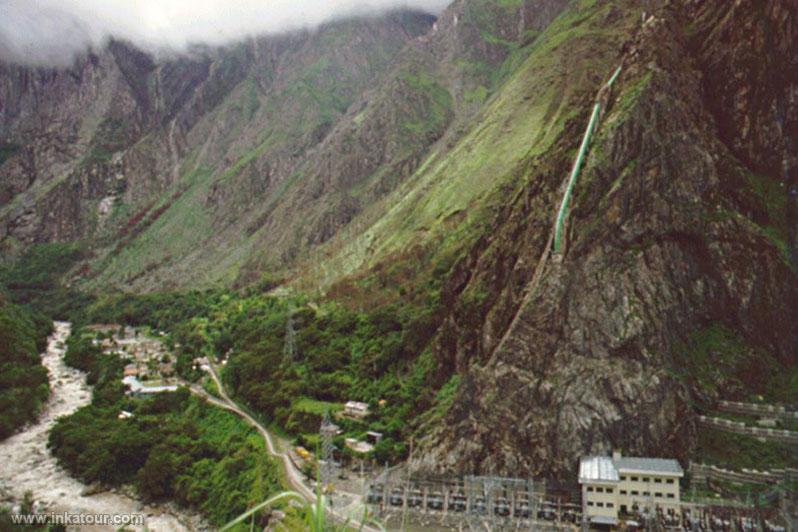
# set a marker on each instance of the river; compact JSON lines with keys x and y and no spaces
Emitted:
{"x":27,"y":465}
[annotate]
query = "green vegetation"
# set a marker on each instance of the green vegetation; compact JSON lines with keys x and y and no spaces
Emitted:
{"x":437,"y":108}
{"x":303,"y":515}
{"x":101,"y":369}
{"x":36,"y":279}
{"x":738,"y":451}
{"x":631,"y":95}
{"x":717,"y":361}
{"x":112,"y":135}
{"x":174,"y":447}
{"x":23,"y":380}
{"x":341,"y":355}
{"x":445,"y":204}
{"x":771,"y":215}
{"x":26,"y":507}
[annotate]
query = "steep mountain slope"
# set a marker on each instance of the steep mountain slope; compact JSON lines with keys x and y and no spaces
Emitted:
{"x":104,"y":150}
{"x":449,"y":202}
{"x":201,"y":176}
{"x":374,"y":161}
{"x":680,"y":227}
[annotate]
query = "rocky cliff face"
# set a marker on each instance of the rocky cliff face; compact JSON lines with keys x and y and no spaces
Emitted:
{"x":194,"y":170}
{"x":382,"y":154}
{"x":90,"y":152}
{"x":680,"y":223}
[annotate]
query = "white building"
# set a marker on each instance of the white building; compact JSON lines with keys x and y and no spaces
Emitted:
{"x":618,"y":486}
{"x":137,"y":389}
{"x":358,"y":446}
{"x":356,"y":409}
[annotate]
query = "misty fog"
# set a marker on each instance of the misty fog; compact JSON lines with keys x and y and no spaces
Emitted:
{"x":51,"y":32}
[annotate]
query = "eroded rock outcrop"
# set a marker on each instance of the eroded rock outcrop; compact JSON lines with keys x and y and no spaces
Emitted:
{"x":663,"y":240}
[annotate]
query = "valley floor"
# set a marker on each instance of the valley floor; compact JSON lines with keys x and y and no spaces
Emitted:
{"x":27,"y":464}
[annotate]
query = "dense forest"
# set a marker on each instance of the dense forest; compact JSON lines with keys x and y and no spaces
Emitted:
{"x":340,"y":354}
{"x":23,"y":379}
{"x":38,"y":279}
{"x":33,"y":292}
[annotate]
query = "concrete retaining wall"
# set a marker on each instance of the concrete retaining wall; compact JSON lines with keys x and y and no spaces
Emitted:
{"x":754,"y":409}
{"x":702,"y":472}
{"x":786,"y":436}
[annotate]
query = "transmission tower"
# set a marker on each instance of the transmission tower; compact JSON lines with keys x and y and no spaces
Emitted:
{"x":327,"y":432}
{"x":289,"y":344}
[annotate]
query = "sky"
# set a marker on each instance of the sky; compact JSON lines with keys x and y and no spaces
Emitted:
{"x":51,"y":32}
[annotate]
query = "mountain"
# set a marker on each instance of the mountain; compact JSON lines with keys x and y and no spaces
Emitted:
{"x":678,"y":281}
{"x":121,"y":141}
{"x":380,"y":160}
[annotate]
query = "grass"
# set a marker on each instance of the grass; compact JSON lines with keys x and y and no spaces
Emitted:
{"x":445,"y":397}
{"x":438,"y":103}
{"x":314,"y":406}
{"x":738,"y":451}
{"x":181,"y":231}
{"x":305,"y":515}
{"x":772,"y":197}
{"x":111,"y":136}
{"x":716,"y":362}
{"x":186,"y":245}
{"x":631,"y":95}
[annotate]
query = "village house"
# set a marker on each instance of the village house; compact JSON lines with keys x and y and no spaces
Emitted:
{"x":138,"y":389}
{"x":356,"y":409}
{"x":358,"y":446}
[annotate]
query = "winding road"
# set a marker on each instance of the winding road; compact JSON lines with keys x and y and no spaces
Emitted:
{"x":292,"y":475}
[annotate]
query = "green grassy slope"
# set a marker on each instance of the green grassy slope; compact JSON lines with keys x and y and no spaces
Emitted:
{"x":443,"y":201}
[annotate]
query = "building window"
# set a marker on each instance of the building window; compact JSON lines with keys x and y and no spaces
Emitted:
{"x":634,"y":479}
{"x":610,"y":490}
{"x":635,"y":492}
{"x":600,"y":504}
{"x":623,"y":492}
{"x":590,"y":488}
{"x":646,"y":494}
{"x":669,"y":481}
{"x":600,"y":490}
{"x":646,"y":479}
{"x":590,"y":503}
{"x":609,"y":505}
{"x":671,"y":495}
{"x":658,"y":495}
{"x":658,"y":480}
{"x":623,"y":478}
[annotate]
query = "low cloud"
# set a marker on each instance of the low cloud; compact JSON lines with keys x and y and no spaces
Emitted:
{"x":52,"y":32}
